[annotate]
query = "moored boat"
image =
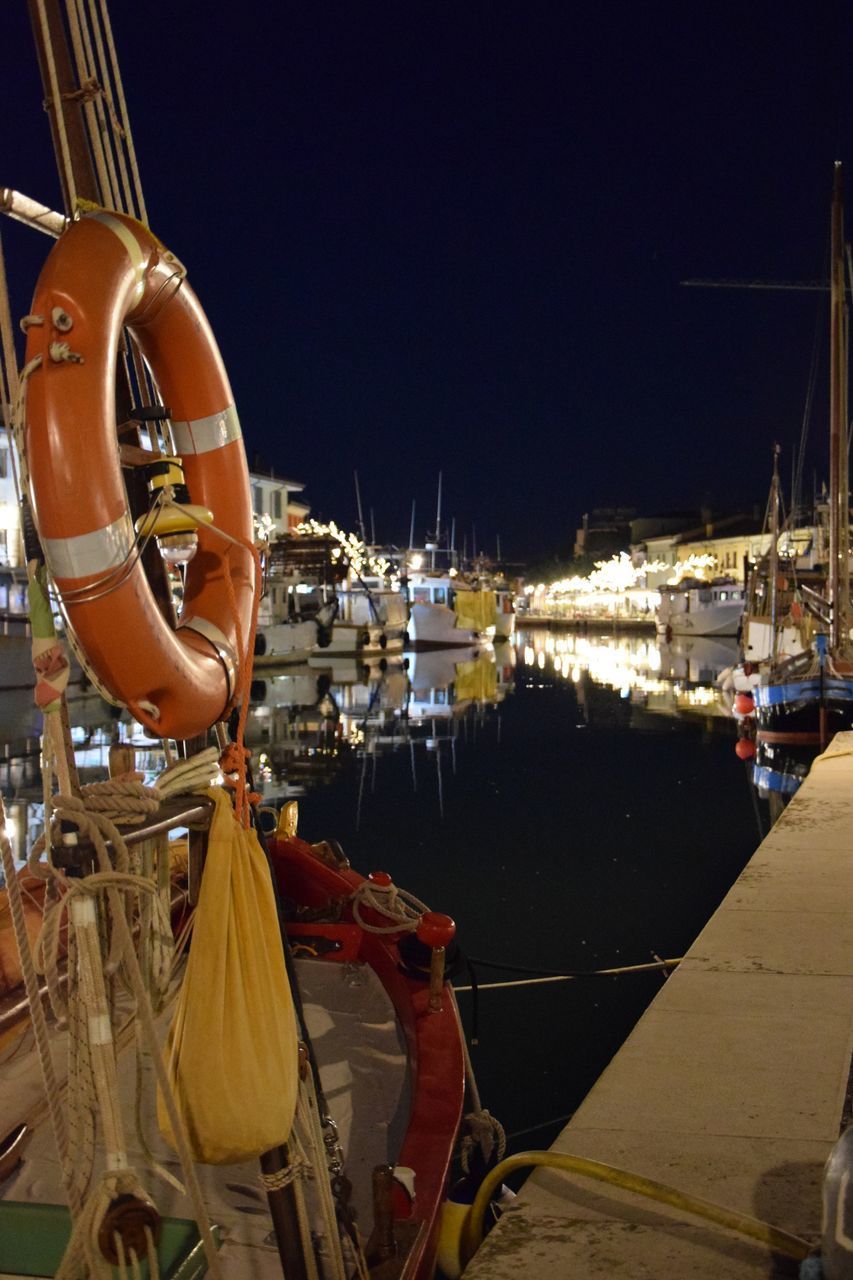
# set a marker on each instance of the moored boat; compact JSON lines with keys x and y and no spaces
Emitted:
{"x":807,"y":697}
{"x":445,"y":612}
{"x":695,"y":608}
{"x":157,"y":491}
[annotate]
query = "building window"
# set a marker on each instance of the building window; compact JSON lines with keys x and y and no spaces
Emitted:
{"x":4,"y":462}
{"x":276,"y":504}
{"x":257,"y":499}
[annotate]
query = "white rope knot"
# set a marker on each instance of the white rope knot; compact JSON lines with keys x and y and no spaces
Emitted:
{"x":30,"y":322}
{"x":401,"y":908}
{"x":60,"y":352}
{"x":194,"y":774}
{"x":121,"y":799}
{"x":485,"y":1132}
{"x":297,"y":1168}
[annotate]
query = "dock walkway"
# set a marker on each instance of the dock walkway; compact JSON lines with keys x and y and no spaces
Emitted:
{"x":731,"y":1086}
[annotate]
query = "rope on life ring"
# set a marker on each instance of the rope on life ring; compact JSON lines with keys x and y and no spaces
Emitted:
{"x":106,"y":273}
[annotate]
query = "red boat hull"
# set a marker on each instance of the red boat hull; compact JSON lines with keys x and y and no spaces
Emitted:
{"x":434,"y":1037}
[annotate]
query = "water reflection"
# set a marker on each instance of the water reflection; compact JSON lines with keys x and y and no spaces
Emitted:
{"x":676,"y":680}
{"x":654,"y":677}
{"x":306,"y":725}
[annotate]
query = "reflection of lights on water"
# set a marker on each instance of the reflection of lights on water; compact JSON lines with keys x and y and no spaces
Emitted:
{"x":627,"y":665}
{"x":701,"y":696}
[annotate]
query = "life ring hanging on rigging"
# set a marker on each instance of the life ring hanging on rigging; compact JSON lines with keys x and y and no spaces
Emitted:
{"x":108,"y":271}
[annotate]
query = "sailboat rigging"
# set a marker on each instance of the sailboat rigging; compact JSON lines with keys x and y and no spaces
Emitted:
{"x":370,"y":970}
{"x":807,"y":698}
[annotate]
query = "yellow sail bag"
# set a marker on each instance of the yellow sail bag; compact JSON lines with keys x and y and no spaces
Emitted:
{"x":231,"y":1054}
{"x":475,"y":609}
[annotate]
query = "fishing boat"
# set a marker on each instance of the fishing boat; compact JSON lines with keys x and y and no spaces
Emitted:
{"x":296,"y":1077}
{"x":694,"y":608}
{"x":504,"y":611}
{"x":806,"y":698}
{"x":777,"y":622}
{"x":318,"y":604}
{"x":447,"y":612}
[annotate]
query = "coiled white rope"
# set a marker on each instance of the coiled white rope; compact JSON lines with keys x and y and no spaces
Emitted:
{"x":402,"y":909}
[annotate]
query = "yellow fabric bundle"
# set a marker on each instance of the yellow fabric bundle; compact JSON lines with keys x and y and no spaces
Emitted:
{"x":232,"y":1049}
{"x":476,"y":609}
{"x":476,"y":680}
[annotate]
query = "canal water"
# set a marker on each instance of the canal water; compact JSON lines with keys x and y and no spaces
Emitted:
{"x":575,"y":802}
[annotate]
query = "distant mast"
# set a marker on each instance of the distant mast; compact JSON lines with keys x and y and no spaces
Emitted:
{"x":773,"y":573}
{"x":839,"y":522}
{"x":437,"y":539}
{"x":358,"y":504}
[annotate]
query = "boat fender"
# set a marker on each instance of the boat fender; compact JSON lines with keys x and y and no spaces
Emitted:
{"x":453,"y":1216}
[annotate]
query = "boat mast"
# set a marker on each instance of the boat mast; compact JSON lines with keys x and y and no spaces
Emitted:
{"x":773,"y":564}
{"x":64,"y":106}
{"x":358,"y":504}
{"x":437,"y":521}
{"x":839,"y":499}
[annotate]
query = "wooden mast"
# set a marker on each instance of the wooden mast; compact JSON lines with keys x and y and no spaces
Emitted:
{"x":70,"y":105}
{"x":839,"y":520}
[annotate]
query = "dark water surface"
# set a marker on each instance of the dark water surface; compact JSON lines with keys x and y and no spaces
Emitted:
{"x":574,"y":802}
{"x":579,"y":830}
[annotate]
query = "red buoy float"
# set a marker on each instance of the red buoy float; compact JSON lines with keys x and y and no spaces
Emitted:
{"x":744,"y":705}
{"x":744,"y":748}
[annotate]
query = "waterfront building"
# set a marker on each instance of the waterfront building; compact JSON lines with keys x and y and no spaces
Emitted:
{"x":274,"y":501}
{"x":726,"y":546}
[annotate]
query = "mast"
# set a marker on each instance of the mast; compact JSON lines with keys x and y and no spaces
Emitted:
{"x":773,"y":566}
{"x":839,"y":498}
{"x":64,"y":105}
{"x":358,"y":504}
{"x":437,"y":520}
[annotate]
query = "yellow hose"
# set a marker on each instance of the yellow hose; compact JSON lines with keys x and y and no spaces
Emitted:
{"x":774,"y":1238}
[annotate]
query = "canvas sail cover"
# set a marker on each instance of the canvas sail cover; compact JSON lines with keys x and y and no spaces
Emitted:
{"x":231,"y":1055}
{"x":475,"y":610}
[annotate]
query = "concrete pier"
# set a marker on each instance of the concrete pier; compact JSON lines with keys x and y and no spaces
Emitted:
{"x":733,"y":1084}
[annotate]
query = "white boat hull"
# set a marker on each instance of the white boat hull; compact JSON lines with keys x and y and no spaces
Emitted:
{"x":716,"y":620}
{"x":279,"y":643}
{"x":758,"y":641}
{"x":434,"y":626}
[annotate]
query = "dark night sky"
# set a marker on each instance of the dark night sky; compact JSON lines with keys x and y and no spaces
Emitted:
{"x":451,"y":235}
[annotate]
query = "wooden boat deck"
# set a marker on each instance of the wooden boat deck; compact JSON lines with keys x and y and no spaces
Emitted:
{"x":733,"y":1084}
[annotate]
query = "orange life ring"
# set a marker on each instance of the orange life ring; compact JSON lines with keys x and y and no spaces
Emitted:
{"x":105,"y":272}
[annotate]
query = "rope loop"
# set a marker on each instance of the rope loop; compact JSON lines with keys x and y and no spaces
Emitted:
{"x":487,"y":1134}
{"x":297,"y":1168}
{"x":401,"y":908}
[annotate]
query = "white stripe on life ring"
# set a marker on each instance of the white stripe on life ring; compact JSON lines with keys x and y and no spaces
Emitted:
{"x":205,"y":434}
{"x":90,"y":553}
{"x":133,"y":247}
